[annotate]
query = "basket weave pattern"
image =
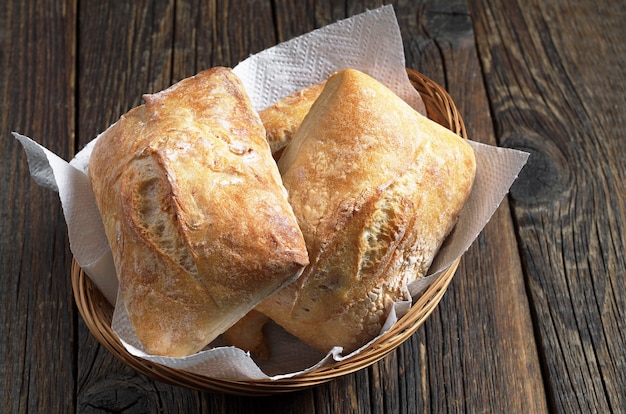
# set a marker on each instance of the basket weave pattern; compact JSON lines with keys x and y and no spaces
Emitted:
{"x":97,"y":312}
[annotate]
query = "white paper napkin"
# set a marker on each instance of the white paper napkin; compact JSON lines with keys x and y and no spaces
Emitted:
{"x":369,"y":42}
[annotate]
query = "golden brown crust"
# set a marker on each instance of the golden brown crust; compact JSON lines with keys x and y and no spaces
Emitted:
{"x":195,"y":212}
{"x":376,"y":187}
{"x":283,"y":118}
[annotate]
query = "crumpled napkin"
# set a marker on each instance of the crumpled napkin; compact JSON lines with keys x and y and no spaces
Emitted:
{"x":370,"y":42}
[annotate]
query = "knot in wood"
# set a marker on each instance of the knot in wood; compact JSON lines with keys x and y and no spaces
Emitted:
{"x":546,"y":177}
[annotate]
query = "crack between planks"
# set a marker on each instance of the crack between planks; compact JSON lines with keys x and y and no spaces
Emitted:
{"x":596,"y":352}
{"x":275,"y":19}
{"x":25,"y":379}
{"x":578,"y":328}
{"x":75,"y":73}
{"x":534,"y":316}
{"x":173,"y":42}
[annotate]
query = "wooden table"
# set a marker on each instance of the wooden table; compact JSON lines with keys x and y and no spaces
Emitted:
{"x":535,"y":318}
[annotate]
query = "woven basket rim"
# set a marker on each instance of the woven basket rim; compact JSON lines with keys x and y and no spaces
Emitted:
{"x":97,"y":312}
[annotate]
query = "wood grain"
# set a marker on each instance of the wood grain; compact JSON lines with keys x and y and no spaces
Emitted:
{"x":552,"y":75}
{"x":37,"y":313}
{"x":535,"y":317}
{"x":486,"y":307}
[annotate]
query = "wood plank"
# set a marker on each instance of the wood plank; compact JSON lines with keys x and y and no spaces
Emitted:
{"x":37,"y":327}
{"x":555,"y":77}
{"x":486,"y":308}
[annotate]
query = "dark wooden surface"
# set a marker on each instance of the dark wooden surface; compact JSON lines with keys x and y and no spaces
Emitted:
{"x":535,"y":318}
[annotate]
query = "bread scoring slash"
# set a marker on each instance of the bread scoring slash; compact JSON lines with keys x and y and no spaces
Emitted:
{"x":195,"y":212}
{"x":376,"y":187}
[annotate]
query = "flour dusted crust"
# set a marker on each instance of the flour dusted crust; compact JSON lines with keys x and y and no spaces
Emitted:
{"x":195,"y":212}
{"x":376,"y":187}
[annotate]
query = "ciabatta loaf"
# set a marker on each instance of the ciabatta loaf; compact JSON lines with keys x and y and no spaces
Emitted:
{"x":195,"y":212}
{"x":376,"y":187}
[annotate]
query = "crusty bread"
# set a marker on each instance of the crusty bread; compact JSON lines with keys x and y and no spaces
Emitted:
{"x":376,"y":187}
{"x":195,"y":212}
{"x":282,"y":119}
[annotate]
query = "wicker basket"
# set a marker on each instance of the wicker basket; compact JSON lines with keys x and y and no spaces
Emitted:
{"x":97,"y":312}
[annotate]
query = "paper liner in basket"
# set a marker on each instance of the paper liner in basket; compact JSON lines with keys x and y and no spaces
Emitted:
{"x":369,"y":42}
